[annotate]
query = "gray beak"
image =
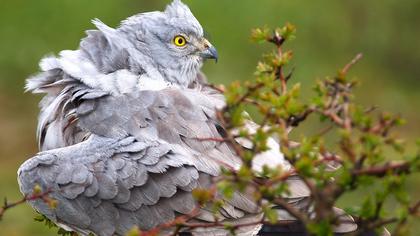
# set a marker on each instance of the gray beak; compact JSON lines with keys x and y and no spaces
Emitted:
{"x":210,"y":53}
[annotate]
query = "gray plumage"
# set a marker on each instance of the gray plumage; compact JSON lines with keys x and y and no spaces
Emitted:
{"x":118,"y":131}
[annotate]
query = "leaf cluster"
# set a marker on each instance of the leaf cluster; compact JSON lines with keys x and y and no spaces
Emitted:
{"x":361,"y":157}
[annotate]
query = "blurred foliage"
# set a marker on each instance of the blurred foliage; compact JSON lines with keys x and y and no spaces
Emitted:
{"x":330,"y":33}
{"x":364,"y":140}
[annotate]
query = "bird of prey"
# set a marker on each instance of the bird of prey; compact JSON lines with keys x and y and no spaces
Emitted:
{"x":119,"y":126}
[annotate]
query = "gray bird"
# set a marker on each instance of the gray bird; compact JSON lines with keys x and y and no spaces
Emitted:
{"x":118,"y":132}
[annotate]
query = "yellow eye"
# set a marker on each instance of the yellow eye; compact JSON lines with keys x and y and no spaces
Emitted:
{"x":180,"y":41}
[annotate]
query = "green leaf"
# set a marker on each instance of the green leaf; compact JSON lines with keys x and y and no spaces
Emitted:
{"x":368,"y":208}
{"x":260,"y":35}
{"x":270,"y":214}
{"x":245,"y":173}
{"x":40,"y":218}
{"x":135,"y":231}
{"x":226,"y":188}
{"x":287,"y":32}
{"x":202,"y":196}
{"x":237,"y":115}
{"x":304,"y":166}
{"x":63,"y":232}
{"x":323,"y":228}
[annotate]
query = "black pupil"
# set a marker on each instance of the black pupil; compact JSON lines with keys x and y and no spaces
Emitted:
{"x":180,"y":41}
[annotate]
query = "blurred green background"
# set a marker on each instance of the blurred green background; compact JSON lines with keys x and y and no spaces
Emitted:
{"x":330,"y":33}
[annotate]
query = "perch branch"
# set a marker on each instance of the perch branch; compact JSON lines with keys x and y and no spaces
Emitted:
{"x":35,"y":196}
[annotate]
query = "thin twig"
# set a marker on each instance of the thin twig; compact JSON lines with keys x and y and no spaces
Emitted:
{"x":346,"y":68}
{"x":379,"y":171}
{"x":212,"y":139}
{"x":6,"y":206}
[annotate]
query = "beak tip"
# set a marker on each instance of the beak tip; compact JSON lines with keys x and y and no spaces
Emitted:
{"x":210,"y":53}
{"x":214,"y":53}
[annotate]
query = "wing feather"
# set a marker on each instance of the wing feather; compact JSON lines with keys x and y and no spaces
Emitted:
{"x":98,"y":181}
{"x":138,"y":161}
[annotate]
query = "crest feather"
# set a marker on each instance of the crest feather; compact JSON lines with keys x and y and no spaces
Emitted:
{"x":178,"y":9}
{"x":102,"y":26}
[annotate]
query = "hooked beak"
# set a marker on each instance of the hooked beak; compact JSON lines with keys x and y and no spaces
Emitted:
{"x":209,"y":52}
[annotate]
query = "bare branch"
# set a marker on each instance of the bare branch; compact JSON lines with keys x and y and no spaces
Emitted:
{"x":380,"y":171}
{"x":346,"y":68}
{"x":35,"y":196}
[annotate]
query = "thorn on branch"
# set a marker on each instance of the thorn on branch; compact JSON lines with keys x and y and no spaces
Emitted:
{"x":294,"y":121}
{"x":370,"y":109}
{"x":289,"y":76}
{"x":415,"y":210}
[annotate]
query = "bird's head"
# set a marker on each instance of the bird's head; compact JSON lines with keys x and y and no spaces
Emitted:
{"x":171,"y":42}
